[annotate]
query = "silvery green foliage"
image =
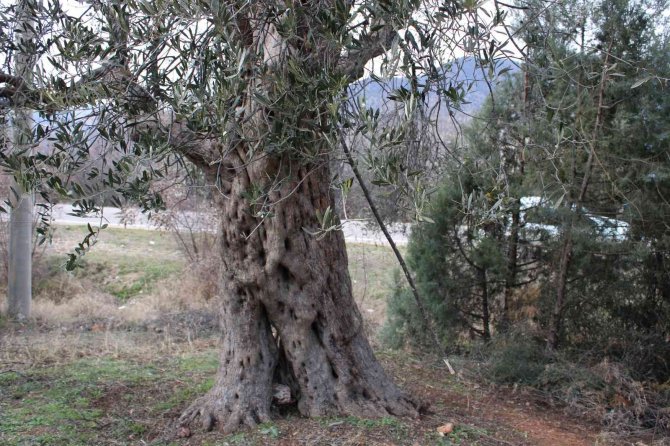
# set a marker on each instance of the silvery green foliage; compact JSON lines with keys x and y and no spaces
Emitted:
{"x":124,"y":90}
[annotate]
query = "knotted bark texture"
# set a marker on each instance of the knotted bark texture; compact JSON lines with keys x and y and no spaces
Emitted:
{"x":288,"y":313}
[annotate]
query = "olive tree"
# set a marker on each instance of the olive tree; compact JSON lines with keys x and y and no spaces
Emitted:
{"x":254,"y":94}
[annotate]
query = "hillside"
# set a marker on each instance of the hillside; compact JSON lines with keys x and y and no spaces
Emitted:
{"x":464,"y":75}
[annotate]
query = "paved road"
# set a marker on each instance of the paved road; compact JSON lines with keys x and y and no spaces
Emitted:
{"x":355,"y":231}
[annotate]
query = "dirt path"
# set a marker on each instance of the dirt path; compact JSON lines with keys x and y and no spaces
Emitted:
{"x":542,"y":430}
{"x":496,"y":416}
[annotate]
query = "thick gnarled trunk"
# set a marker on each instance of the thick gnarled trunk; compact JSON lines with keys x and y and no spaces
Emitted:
{"x":286,"y":293}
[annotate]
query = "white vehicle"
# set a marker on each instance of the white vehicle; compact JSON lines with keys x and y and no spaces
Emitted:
{"x":604,"y":227}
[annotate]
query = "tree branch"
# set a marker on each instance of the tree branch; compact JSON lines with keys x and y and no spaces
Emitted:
{"x":370,"y":46}
{"x":14,"y":86}
{"x":200,"y":148}
{"x":16,"y":81}
{"x":462,"y":251}
{"x":419,"y":301}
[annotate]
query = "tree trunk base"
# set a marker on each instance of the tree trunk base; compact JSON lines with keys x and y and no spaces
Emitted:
{"x":226,"y":409}
{"x":355,"y":385}
{"x":243,"y":394}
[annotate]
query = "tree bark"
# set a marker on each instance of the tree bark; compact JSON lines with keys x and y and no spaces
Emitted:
{"x":19,"y":281}
{"x":556,"y":316}
{"x":483,"y":284}
{"x":287,"y":306}
{"x":19,"y":284}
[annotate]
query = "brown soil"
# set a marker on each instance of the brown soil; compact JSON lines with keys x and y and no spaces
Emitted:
{"x":481,"y":416}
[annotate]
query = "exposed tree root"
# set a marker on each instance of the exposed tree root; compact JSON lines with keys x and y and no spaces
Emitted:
{"x":225,"y":413}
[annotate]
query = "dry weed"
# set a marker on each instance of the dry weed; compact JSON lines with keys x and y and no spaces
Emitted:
{"x":21,"y":351}
{"x":83,"y":306}
{"x":62,"y":287}
{"x":168,"y":297}
{"x":68,"y":299}
{"x":616,"y":438}
{"x":606,"y":392}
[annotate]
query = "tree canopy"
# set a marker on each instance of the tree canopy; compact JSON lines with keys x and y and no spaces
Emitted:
{"x":255,"y":95}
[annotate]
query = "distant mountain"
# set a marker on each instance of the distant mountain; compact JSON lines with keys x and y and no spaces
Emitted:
{"x":464,"y":75}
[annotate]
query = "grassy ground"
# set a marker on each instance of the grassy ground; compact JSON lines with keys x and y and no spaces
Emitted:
{"x":119,"y":348}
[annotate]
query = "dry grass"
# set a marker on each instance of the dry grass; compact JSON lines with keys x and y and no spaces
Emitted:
{"x":371,"y":269}
{"x":170,"y":296}
{"x":52,"y":348}
{"x":86,"y":313}
{"x":134,"y":270}
{"x":625,"y":406}
{"x":136,"y":277}
{"x":82,"y":306}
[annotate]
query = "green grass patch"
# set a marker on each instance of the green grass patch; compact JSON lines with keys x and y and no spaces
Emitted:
{"x":372,"y":423}
{"x":137,"y":276}
{"x":131,"y":240}
{"x":88,"y":400}
{"x":183,"y":395}
{"x":122,"y":276}
{"x":40,"y":410}
{"x":102,"y":370}
{"x":371,"y":269}
{"x":238,"y":439}
{"x":206,"y":362}
{"x":269,"y":430}
{"x":390,"y":426}
{"x":203,"y":365}
{"x":124,"y":262}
